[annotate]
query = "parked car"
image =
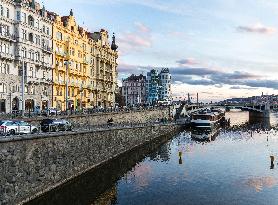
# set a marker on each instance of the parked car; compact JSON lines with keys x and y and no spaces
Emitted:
{"x":17,"y":127}
{"x":51,"y":111}
{"x":54,"y":125}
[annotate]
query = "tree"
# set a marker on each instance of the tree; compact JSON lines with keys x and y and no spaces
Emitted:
{"x":119,"y":98}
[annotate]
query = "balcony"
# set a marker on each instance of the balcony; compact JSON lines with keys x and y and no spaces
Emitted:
{"x":60,"y":68}
{"x":36,"y":80}
{"x":61,"y":82}
{"x":47,"y":49}
{"x":61,"y":53}
{"x":7,"y":36}
{"x":86,"y":62}
{"x":46,"y":65}
{"x":6,"y":56}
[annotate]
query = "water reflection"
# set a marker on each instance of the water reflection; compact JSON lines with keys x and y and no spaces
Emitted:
{"x":260,"y":183}
{"x":98,"y":186}
{"x":238,"y":168}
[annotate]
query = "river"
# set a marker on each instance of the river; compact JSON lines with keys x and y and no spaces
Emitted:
{"x":234,"y":169}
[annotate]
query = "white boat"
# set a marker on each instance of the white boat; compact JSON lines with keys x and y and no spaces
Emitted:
{"x":205,"y":124}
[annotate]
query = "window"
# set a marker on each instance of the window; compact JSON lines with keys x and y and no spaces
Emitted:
{"x":31,"y":72}
{"x":32,"y":90}
{"x":8,"y":13}
{"x":24,"y":17}
{"x":18,"y":15}
{"x":59,"y":36}
{"x":1,"y":10}
{"x":30,"y":20}
{"x":31,"y":37}
{"x":3,"y":88}
{"x":24,"y":34}
{"x":37,"y":39}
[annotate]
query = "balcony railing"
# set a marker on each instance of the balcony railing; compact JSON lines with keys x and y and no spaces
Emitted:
{"x":7,"y":36}
{"x":86,"y":62}
{"x":46,"y":49}
{"x":6,"y":56}
{"x":36,"y":80}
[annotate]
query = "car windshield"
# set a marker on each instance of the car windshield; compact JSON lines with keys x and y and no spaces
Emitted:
{"x":23,"y":123}
{"x":9,"y":123}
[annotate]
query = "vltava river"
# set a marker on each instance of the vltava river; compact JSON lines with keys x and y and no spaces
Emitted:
{"x":233,"y":169}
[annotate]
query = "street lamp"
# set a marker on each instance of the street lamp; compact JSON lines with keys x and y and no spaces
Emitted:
{"x":81,"y":96}
{"x":23,"y":88}
{"x":67,"y":63}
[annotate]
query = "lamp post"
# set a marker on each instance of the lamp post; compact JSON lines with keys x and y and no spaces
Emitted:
{"x":81,"y":96}
{"x":126,"y":92}
{"x":67,"y":63}
{"x":23,"y":88}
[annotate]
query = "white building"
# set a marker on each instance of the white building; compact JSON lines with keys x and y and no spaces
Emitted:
{"x":134,"y":89}
{"x":27,"y":30}
{"x":165,"y":92}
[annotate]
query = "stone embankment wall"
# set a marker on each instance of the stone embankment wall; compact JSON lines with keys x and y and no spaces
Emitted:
{"x":120,"y":117}
{"x":30,"y":166}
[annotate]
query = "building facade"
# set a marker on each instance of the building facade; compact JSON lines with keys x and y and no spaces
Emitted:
{"x":165,"y":92}
{"x":103,"y":68}
{"x":70,"y":75}
{"x":26,"y":56}
{"x":152,"y":86}
{"x":85,"y":72}
{"x":158,"y":86}
{"x":134,"y":89}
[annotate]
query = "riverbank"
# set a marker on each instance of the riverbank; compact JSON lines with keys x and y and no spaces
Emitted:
{"x":33,"y":166}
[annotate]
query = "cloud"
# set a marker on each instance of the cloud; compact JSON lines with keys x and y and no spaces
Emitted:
{"x":142,"y":28}
{"x":207,"y":76}
{"x":236,"y":87}
{"x":256,"y":28}
{"x":130,"y":42}
{"x":187,"y":61}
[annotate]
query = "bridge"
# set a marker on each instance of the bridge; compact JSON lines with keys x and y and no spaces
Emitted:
{"x":256,"y":112}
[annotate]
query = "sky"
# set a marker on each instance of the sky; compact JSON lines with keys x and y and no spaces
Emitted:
{"x":217,"y":48}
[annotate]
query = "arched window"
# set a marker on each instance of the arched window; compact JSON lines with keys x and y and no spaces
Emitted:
{"x":24,"y":52}
{"x":31,"y":37}
{"x":30,"y":20}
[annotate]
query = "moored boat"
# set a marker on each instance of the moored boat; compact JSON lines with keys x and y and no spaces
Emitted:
{"x":205,"y":124}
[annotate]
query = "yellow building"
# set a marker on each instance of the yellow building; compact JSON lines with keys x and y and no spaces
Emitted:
{"x":85,"y":72}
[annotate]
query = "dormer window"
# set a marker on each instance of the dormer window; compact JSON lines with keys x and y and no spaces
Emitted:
{"x":30,"y":20}
{"x":72,"y":29}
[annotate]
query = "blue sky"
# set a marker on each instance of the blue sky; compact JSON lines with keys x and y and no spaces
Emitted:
{"x":219,"y":48}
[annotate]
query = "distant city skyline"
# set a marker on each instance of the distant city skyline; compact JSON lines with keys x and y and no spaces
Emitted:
{"x":220,"y":49}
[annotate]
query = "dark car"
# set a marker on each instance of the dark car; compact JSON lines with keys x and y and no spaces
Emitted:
{"x":54,"y":125}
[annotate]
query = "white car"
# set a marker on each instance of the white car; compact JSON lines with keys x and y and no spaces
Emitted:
{"x":17,"y":127}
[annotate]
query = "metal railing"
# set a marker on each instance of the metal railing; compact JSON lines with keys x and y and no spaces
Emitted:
{"x":86,"y":111}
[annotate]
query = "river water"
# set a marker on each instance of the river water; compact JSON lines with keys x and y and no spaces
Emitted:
{"x":235,"y":169}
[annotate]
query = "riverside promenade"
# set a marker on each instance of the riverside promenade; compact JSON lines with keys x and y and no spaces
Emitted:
{"x":31,"y":165}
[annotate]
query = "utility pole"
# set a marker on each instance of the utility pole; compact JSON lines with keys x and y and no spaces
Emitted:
{"x":23,"y":88}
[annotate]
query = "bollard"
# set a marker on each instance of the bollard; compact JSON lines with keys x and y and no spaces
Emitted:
{"x":272,"y":162}
{"x":180,"y":159}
